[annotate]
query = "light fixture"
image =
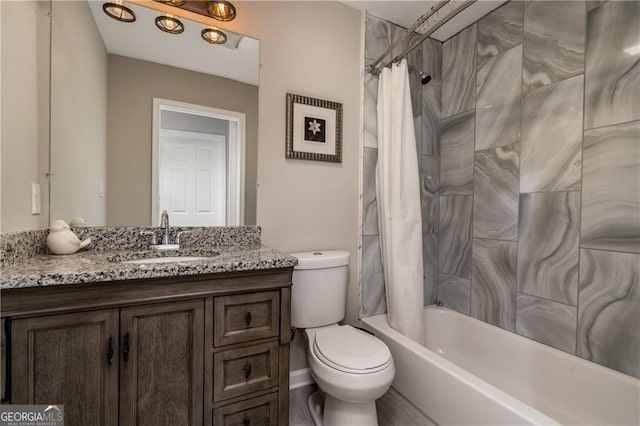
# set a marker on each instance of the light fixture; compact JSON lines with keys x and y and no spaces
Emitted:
{"x":221,"y":10}
{"x":169,"y":24}
{"x":176,"y":3}
{"x":213,"y":36}
{"x":119,"y":12}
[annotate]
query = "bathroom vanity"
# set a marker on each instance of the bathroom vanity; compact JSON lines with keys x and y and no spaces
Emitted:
{"x":175,"y":343}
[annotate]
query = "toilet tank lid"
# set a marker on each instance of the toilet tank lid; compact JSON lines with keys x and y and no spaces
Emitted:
{"x":321,"y":259}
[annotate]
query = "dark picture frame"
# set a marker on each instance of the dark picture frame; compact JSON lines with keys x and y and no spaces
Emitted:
{"x":314,"y":129}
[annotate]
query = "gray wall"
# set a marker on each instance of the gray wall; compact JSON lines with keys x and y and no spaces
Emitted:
{"x":132,"y":86}
{"x":539,"y":192}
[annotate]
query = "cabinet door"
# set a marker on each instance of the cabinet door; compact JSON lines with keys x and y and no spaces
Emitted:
{"x":161,"y":364}
{"x":69,"y":359}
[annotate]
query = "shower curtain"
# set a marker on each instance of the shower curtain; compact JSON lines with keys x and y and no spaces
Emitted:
{"x":398,"y":196}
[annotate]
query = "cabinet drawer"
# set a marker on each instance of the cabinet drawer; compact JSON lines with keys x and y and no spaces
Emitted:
{"x":244,"y":370}
{"x":260,"y":411}
{"x":246,"y":317}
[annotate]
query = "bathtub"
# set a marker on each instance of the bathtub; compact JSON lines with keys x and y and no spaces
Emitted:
{"x":472,"y":373}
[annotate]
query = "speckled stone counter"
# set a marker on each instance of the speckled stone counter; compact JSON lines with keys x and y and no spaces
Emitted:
{"x":26,"y":262}
{"x":106,"y":266}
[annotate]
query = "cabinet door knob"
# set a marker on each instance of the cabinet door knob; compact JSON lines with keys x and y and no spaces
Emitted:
{"x":110,"y":351}
{"x":248,"y":318}
{"x":246,"y":421}
{"x":247,"y":371}
{"x":125,"y":347}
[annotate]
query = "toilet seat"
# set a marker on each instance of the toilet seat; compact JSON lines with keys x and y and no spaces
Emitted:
{"x":351,"y":351}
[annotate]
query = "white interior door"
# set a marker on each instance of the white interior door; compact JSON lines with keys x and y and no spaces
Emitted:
{"x":193,"y":178}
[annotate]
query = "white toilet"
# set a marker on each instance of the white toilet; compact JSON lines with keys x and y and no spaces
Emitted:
{"x":353,"y":368}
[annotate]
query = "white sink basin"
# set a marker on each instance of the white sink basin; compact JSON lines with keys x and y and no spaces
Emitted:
{"x":167,"y":259}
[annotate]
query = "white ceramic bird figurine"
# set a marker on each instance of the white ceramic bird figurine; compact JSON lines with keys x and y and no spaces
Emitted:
{"x":62,"y":241}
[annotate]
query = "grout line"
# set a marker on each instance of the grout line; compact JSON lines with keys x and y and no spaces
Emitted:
{"x":520,"y":150}
{"x":609,"y":251}
{"x":607,"y":125}
{"x":549,"y":300}
{"x":584,"y":111}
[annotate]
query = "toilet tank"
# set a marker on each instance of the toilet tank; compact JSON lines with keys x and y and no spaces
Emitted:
{"x":319,"y":291}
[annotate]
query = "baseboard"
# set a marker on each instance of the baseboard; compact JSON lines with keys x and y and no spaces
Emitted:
{"x":300,"y":378}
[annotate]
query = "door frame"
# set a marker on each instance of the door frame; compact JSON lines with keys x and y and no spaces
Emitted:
{"x":235,"y":216}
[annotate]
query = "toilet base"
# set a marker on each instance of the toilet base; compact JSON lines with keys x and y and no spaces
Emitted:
{"x":340,"y":413}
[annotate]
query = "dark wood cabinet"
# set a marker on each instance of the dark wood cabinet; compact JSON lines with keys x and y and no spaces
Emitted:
{"x":192,"y":351}
{"x":161,"y":364}
{"x":68,"y":359}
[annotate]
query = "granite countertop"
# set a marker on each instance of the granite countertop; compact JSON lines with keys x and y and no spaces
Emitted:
{"x":105,"y":266}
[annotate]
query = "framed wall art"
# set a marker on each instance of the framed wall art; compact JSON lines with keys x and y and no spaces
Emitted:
{"x":314,"y":129}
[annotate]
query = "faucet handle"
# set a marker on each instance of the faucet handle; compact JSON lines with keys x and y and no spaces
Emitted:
{"x":154,"y":240}
{"x":180,"y":235}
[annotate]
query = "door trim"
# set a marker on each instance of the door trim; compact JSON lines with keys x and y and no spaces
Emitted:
{"x":236,"y":218}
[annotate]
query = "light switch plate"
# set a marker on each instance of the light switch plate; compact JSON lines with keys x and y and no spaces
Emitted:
{"x":35,"y":198}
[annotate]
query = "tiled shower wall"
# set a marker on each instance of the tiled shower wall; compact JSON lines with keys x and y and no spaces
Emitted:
{"x":379,"y":35}
{"x":539,"y":192}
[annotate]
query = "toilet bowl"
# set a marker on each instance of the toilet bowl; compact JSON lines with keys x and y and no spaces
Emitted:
{"x":349,"y":364}
{"x":352,"y":367}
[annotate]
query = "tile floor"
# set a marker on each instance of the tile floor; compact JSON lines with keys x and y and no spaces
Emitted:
{"x":390,"y":411}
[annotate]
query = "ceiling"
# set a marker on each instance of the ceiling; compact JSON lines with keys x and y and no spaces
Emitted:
{"x":405,"y":13}
{"x":142,"y":40}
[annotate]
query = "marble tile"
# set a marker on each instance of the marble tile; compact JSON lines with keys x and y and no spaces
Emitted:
{"x":592,"y":4}
{"x":430,"y":204}
{"x":415,"y":57}
{"x":417,"y":128}
{"x":553,"y":41}
{"x":612,"y":75}
{"x":459,"y":73}
{"x":548,"y":245}
{"x":432,"y":58}
{"x":548,"y":322}
{"x":369,"y":202}
{"x":499,"y":99}
{"x":551,"y":137}
{"x":495,"y":201}
{"x":372,"y":295}
{"x":493,"y":278}
{"x":377,"y":37}
{"x":455,"y":293}
{"x":370,"y":113}
{"x":431,"y":122}
{"x":456,"y":154}
{"x":611,"y":188}
{"x":430,"y":168}
{"x":500,"y":30}
{"x":430,"y":265}
{"x":455,"y":236}
{"x":609,"y":310}
{"x":431,"y":97}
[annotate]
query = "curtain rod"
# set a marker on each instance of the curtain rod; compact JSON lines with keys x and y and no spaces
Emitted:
{"x":421,"y":20}
{"x":372,"y":68}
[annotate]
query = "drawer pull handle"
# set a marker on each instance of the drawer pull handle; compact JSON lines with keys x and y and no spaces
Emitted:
{"x":246,"y":421}
{"x":247,"y":371}
{"x":110,"y":351}
{"x":248,"y":318}
{"x":125,"y":347}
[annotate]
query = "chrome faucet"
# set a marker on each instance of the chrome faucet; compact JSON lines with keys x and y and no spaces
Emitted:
{"x":166,"y":240}
{"x":164,"y":223}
